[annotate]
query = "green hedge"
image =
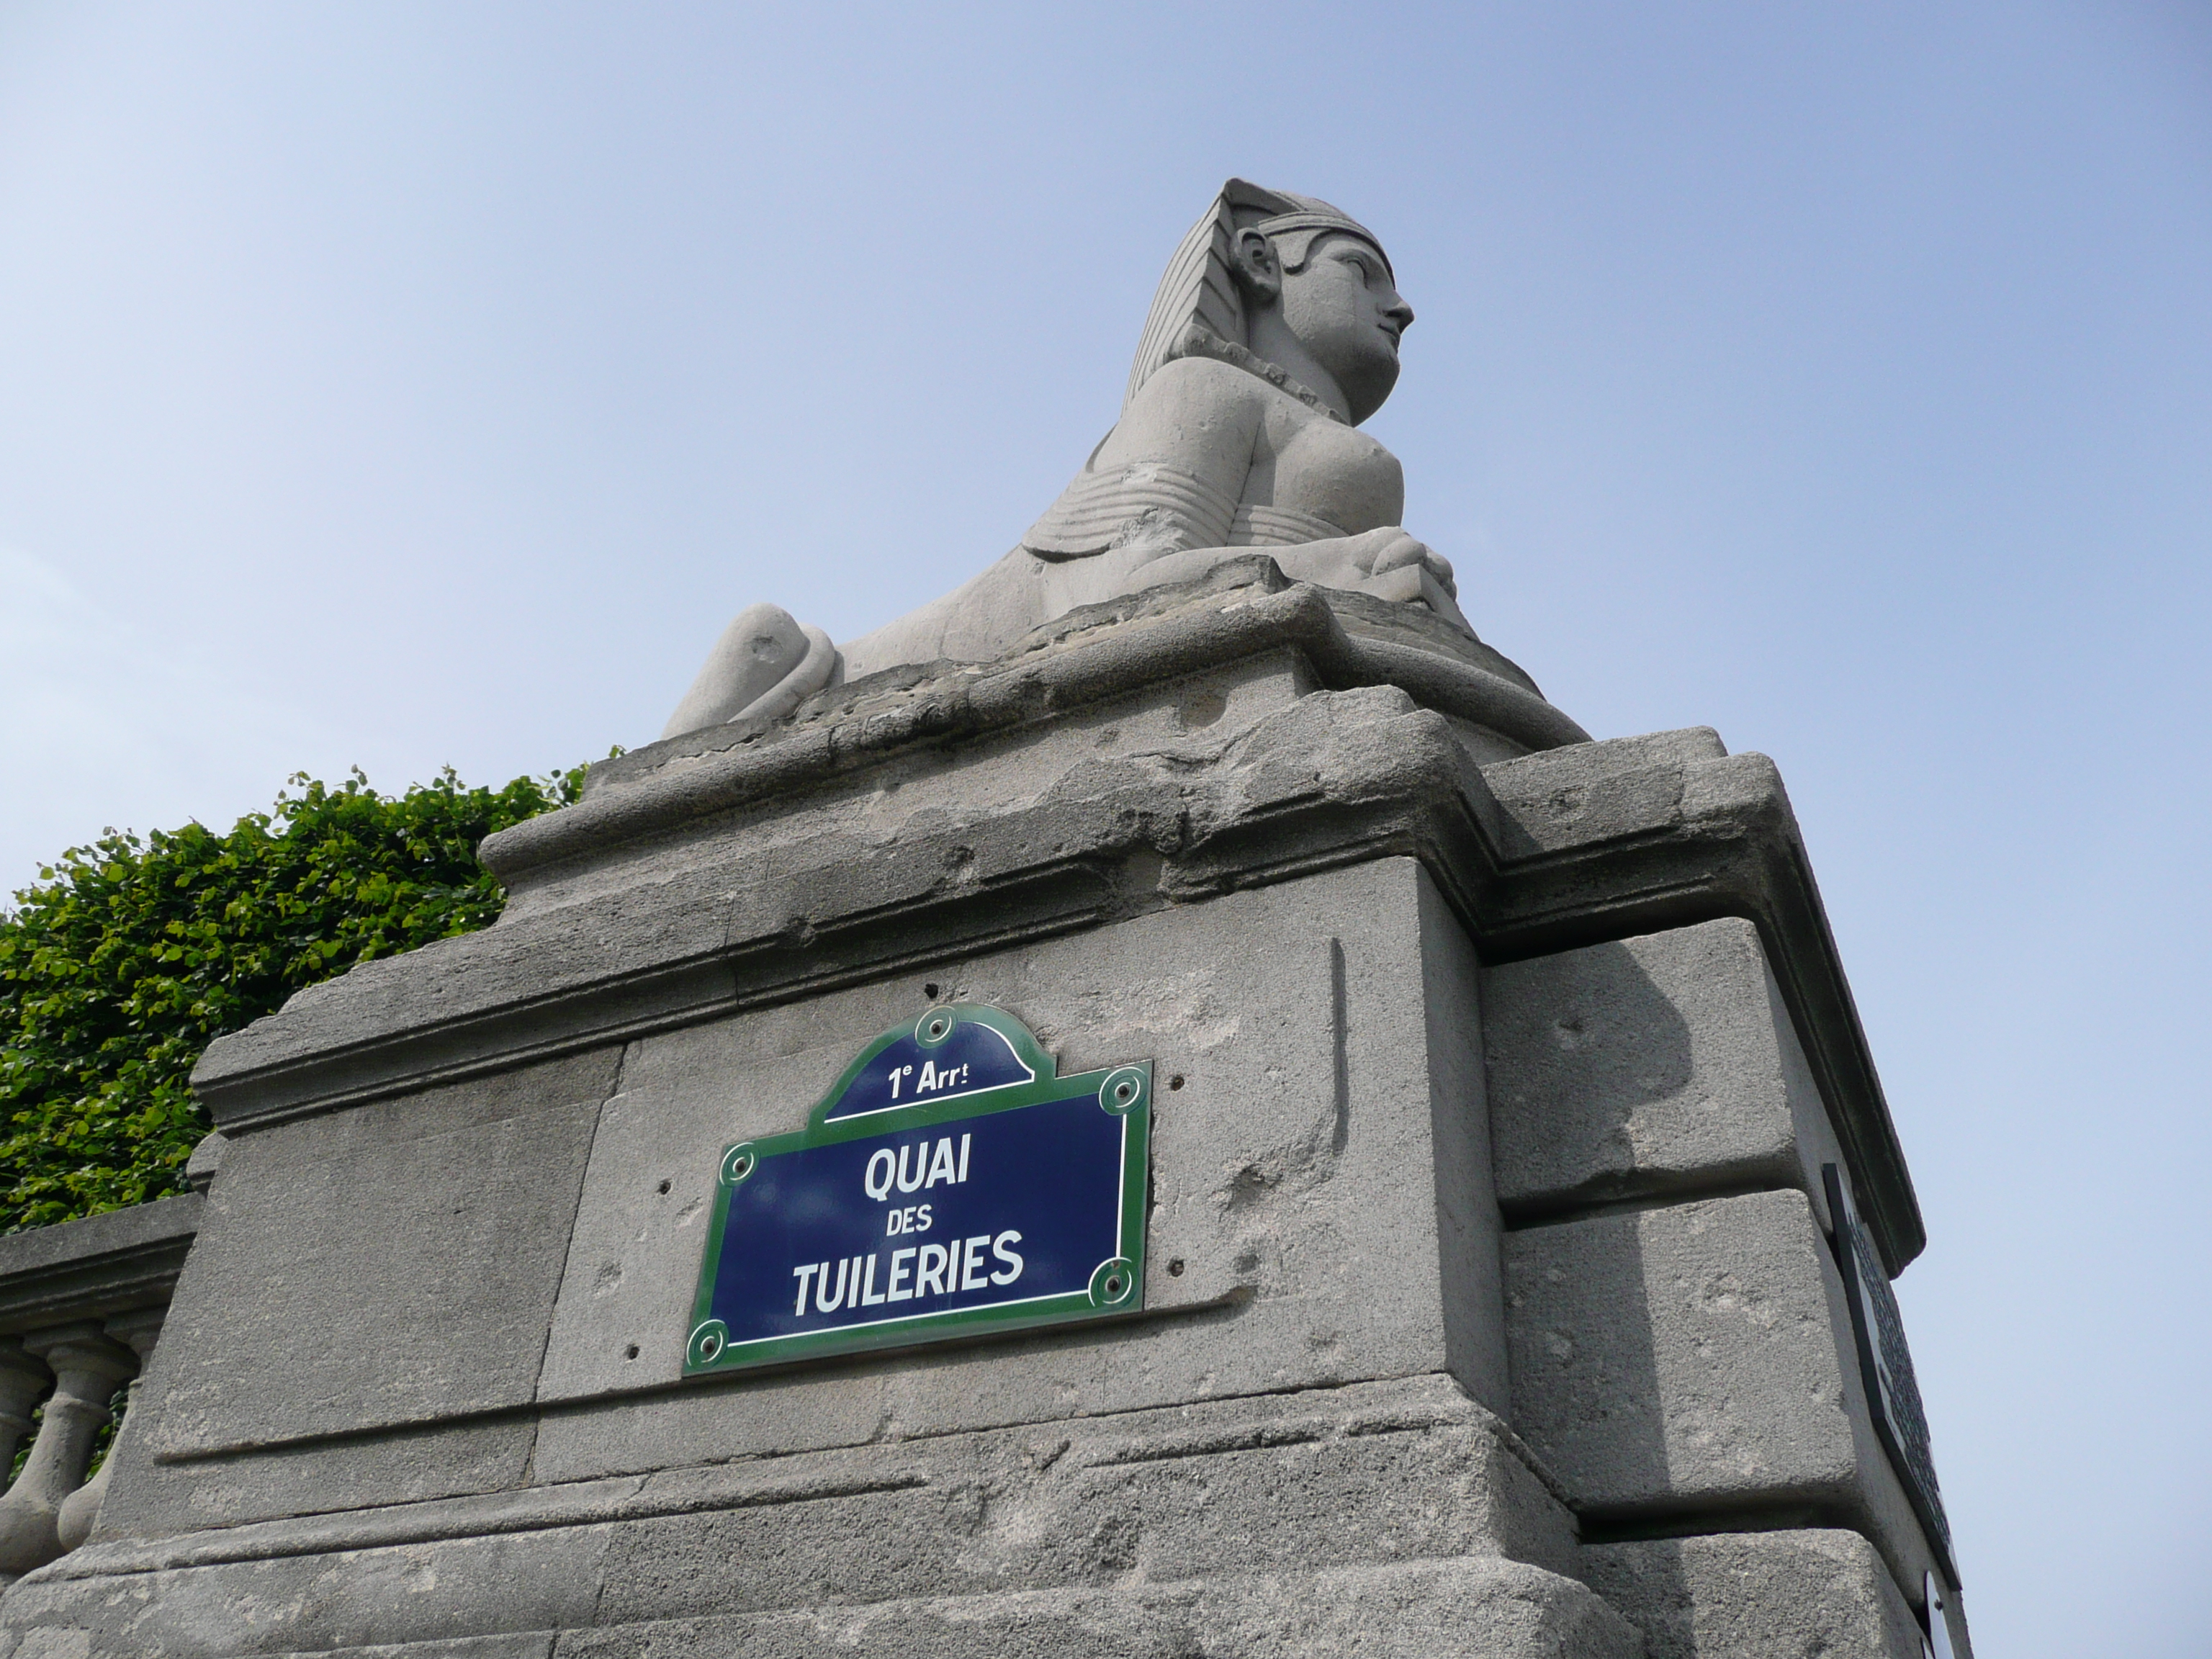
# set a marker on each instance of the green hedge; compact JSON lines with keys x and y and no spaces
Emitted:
{"x":130,"y":955}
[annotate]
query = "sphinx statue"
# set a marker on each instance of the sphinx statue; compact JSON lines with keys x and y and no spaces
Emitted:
{"x":1274,"y":334}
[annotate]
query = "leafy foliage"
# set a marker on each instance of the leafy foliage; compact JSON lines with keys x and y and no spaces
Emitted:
{"x":130,"y":955}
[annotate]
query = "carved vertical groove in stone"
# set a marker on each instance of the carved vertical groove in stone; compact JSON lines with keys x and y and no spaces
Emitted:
{"x":1340,"y":1038}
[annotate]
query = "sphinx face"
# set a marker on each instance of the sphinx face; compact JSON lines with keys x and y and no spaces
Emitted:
{"x":1343,"y":307}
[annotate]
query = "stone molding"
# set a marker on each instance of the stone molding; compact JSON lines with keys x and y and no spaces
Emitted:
{"x":1351,"y":1412}
{"x":96,"y":1267}
{"x":1089,"y":656}
{"x":684,"y":917}
{"x":1112,"y":1519}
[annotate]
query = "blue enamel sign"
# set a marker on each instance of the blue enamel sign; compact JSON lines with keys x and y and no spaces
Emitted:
{"x":950,"y":1183}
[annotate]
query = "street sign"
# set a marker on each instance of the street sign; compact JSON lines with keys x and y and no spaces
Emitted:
{"x":1886,"y":1367}
{"x":1936,"y":1645}
{"x":951,"y":1184}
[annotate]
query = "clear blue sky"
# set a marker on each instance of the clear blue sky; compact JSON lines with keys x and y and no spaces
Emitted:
{"x":407,"y":385}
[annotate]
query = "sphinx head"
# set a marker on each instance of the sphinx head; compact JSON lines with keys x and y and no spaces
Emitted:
{"x":1293,"y":279}
{"x":1329,"y":289}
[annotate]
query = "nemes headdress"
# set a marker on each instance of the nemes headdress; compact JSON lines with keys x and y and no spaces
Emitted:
{"x":1199,"y":293}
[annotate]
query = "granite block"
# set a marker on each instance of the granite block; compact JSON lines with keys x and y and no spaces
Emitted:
{"x":1298,"y":1061}
{"x":1696,"y":1359}
{"x":1662,"y":1064}
{"x":387,"y":1264}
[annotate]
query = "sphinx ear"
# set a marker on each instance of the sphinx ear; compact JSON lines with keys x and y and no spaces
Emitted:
{"x":1259,"y":272}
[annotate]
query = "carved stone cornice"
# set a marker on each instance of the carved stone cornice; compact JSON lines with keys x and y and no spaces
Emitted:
{"x":739,"y":867}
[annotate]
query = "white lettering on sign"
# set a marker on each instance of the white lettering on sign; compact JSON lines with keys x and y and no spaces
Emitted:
{"x":932,"y":1081}
{"x":825,"y":1299}
{"x":914,"y":1166}
{"x":915,"y":1218}
{"x":879,"y":1189}
{"x":929,"y":1271}
{"x":937,"y":1270}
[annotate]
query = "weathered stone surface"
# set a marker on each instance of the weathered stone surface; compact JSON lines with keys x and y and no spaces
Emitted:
{"x":206,"y":1161}
{"x":1757,"y":1595}
{"x":1300,"y":1067}
{"x":1680,"y":1355}
{"x":1696,"y":1359}
{"x":1665,"y":1063}
{"x":1021,"y":726}
{"x":1596,"y":844}
{"x":377,"y":1266}
{"x":1323,"y":1019}
{"x":1315,"y":1072}
{"x":962,"y":812}
{"x":1468,"y":1226}
{"x":536,"y":1645}
{"x":1473,"y":1605}
{"x":533,"y":1646}
{"x":1161,"y":1507}
{"x":152,"y":1498}
{"x":1569,"y":797}
{"x":1481,"y":1605}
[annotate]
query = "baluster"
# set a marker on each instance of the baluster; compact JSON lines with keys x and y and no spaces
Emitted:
{"x":81,"y":1509}
{"x":87,"y":1368}
{"x":23,"y":1380}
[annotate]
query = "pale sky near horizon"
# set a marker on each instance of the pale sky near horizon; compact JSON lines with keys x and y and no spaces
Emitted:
{"x":419,"y":384}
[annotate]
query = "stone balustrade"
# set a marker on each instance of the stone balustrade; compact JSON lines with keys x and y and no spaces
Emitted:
{"x":81,"y":1306}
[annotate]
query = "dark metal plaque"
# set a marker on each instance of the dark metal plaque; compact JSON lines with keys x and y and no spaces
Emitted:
{"x":951,"y":1183}
{"x":1934,"y":1599}
{"x":1886,"y":1367}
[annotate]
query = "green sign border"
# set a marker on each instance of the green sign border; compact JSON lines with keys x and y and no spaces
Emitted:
{"x":1124,"y":1091}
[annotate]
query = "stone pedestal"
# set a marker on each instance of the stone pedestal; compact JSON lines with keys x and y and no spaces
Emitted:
{"x":1489,"y":1305}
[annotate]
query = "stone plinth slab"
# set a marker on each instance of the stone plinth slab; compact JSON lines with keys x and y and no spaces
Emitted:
{"x":1321,"y":1215}
{"x":387,"y":1263}
{"x":1193,"y":1519}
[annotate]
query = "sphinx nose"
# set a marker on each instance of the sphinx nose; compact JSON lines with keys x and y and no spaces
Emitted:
{"x":1399,"y":311}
